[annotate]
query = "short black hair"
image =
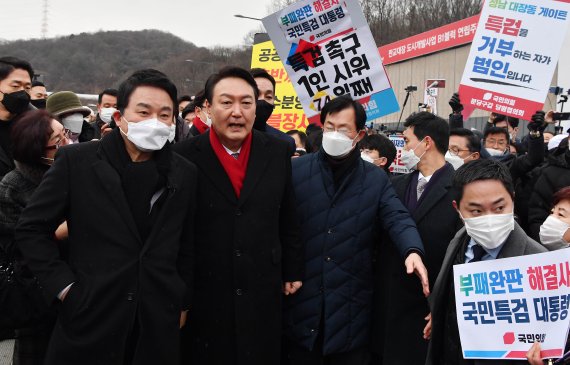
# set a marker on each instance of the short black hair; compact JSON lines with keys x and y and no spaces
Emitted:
{"x":147,"y":77}
{"x":198,"y":101}
{"x":482,"y":169}
{"x":259,"y":72}
{"x":429,"y":124}
{"x":187,"y":110}
{"x":497,"y":130}
{"x":30,"y":133}
{"x":344,"y":102}
{"x":184,"y":98}
{"x":382,"y":144}
{"x":9,"y":64}
{"x":37,"y":83}
{"x":112,"y":92}
{"x":473,"y":141}
{"x":302,"y":136}
{"x":227,"y":72}
{"x":313,"y":127}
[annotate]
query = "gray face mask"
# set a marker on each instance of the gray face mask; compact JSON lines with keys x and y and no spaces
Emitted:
{"x":73,"y":122}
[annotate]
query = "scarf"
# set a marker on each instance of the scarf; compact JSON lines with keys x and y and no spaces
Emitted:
{"x":200,"y":126}
{"x":235,"y":169}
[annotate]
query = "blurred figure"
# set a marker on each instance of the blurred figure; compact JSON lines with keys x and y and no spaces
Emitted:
{"x":202,"y":121}
{"x":554,"y":176}
{"x":38,"y":95}
{"x":379,"y":150}
{"x":15,"y":85}
{"x":183,"y":102}
{"x":314,"y":137}
{"x":106,"y":107}
{"x":188,"y":115}
{"x":300,"y":142}
{"x":37,"y":136}
{"x":67,"y":108}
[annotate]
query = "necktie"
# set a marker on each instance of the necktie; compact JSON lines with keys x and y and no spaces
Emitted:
{"x":422,"y":182}
{"x":235,"y":155}
{"x":478,"y":253}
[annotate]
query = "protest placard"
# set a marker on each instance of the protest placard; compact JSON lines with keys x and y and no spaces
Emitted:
{"x":510,"y":65}
{"x":397,"y":166}
{"x":505,"y":305}
{"x":288,"y":113}
{"x":328,"y":51}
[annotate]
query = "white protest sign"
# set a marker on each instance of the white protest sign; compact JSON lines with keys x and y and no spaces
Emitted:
{"x":505,"y":305}
{"x":397,"y":166}
{"x":513,"y":56}
{"x":328,"y":50}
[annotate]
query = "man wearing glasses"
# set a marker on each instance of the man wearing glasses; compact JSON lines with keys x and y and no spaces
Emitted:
{"x":427,"y":194}
{"x":343,"y":201}
{"x":464,"y":146}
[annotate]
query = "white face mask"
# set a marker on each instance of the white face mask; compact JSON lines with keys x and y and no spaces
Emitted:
{"x":455,"y":161}
{"x":493,"y":152}
{"x":552,"y":233}
{"x":337,"y":144}
{"x":149,"y":135}
{"x":106,"y":114}
{"x":409,"y":157}
{"x":73,"y":122}
{"x":490,"y":230}
{"x":366,"y":158}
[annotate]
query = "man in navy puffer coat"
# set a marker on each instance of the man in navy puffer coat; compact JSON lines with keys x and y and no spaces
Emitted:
{"x":342,"y":202}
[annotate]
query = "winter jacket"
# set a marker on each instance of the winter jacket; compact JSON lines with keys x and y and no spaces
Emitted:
{"x":338,"y":230}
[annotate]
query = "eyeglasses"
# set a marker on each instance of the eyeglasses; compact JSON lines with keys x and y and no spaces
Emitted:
{"x":62,"y":138}
{"x":454,"y":151}
{"x":496,"y":142}
{"x":347,"y":132}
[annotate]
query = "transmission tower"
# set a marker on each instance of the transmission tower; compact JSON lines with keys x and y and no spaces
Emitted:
{"x":45,"y":20}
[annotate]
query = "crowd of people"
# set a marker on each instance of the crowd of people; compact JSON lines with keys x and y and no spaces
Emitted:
{"x":167,"y":229}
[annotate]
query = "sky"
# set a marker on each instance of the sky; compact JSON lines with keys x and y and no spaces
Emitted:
{"x":205,"y":23}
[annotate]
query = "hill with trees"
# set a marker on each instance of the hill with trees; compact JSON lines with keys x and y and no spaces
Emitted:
{"x":90,"y":62}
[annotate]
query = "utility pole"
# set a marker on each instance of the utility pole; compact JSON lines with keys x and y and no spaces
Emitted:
{"x":45,"y":20}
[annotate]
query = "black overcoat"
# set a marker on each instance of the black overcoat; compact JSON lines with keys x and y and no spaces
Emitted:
{"x":245,"y":248}
{"x":119,"y":279}
{"x":399,"y":321}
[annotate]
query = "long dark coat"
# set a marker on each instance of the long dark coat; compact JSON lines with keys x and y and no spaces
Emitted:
{"x":401,"y":305}
{"x":245,"y":249}
{"x":119,"y":279}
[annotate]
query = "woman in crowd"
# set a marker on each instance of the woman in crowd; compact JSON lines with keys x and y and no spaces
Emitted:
{"x":555,"y":231}
{"x":36,"y":136}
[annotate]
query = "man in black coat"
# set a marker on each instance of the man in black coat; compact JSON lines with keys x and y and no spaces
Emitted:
{"x":248,"y":250}
{"x":484,"y":187}
{"x":128,"y":279}
{"x":266,"y":104}
{"x":427,"y":194}
{"x":15,"y":84}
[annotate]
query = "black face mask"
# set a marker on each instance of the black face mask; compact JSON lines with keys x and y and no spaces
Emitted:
{"x":16,"y":102}
{"x":262,"y":112}
{"x":39,"y":103}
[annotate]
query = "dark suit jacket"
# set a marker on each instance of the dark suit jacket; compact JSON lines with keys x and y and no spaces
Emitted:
{"x":6,"y":163}
{"x":245,"y":249}
{"x":282,"y":136}
{"x":119,"y":279}
{"x":517,"y":244}
{"x":402,"y":305}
